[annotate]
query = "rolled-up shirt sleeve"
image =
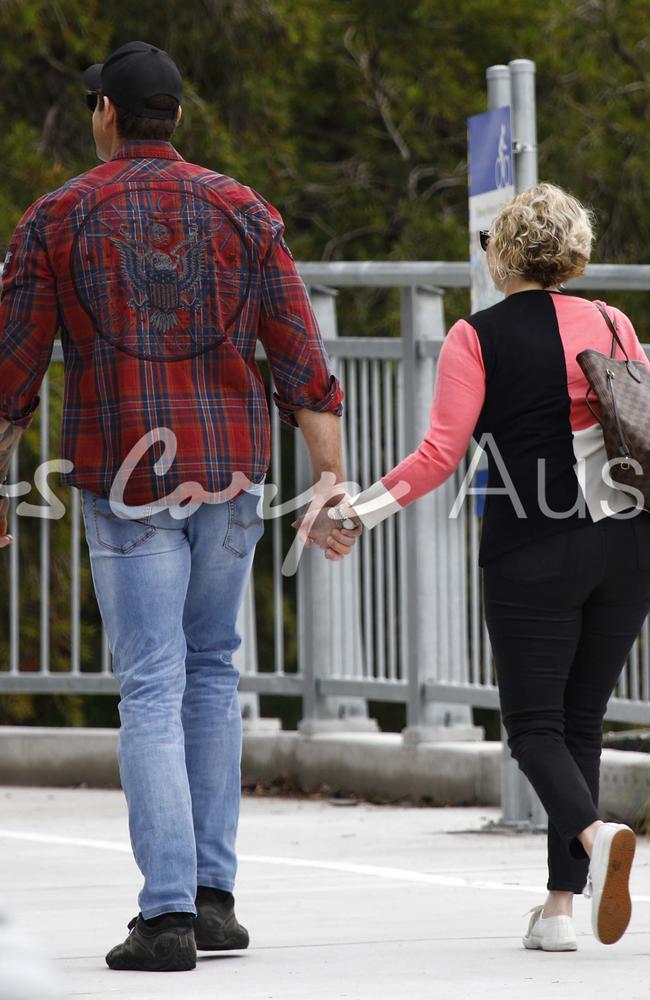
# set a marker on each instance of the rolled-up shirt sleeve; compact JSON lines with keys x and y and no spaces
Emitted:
{"x":457,"y":403}
{"x":28,"y":321}
{"x":290,"y":335}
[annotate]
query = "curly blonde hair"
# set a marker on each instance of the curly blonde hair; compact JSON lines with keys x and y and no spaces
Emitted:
{"x":544,"y":235}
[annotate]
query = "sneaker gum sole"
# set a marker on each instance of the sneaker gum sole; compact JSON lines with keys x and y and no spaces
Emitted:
{"x":615,"y":907}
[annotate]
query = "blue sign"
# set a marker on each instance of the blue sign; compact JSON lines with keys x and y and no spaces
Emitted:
{"x":480,"y":484}
{"x":491,"y":186}
{"x":490,"y":151}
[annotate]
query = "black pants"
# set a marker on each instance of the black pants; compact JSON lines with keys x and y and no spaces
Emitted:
{"x":563,"y":614}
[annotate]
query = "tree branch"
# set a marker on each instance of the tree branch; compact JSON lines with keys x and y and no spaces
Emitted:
{"x":362,"y":60}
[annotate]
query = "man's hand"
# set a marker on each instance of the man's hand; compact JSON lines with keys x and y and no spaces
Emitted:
{"x":10,"y":435}
{"x":317,"y":528}
{"x":5,"y":539}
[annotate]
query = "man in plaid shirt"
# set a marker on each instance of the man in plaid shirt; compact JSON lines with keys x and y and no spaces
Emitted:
{"x":160,"y":276}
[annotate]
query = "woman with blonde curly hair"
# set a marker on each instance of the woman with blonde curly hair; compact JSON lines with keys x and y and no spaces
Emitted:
{"x":566,"y":561}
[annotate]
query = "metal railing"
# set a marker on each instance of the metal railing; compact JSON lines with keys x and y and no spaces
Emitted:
{"x":400,"y":620}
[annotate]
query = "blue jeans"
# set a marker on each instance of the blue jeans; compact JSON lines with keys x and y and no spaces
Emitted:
{"x":169,"y":592}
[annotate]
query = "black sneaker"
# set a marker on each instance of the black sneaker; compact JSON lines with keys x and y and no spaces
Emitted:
{"x":216,"y":927}
{"x":166,"y":947}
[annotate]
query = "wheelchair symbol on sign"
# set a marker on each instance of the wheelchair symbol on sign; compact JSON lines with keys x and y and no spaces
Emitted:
{"x":503,"y":164}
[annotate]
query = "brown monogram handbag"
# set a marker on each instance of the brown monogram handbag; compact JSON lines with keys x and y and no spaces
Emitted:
{"x":622,"y":388}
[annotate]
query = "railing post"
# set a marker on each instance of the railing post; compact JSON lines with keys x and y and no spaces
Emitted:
{"x":436,"y":556}
{"x":245,"y":660}
{"x":329,"y":623}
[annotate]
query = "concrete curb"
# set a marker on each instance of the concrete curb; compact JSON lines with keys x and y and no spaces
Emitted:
{"x":377,"y":765}
{"x":368,"y":764}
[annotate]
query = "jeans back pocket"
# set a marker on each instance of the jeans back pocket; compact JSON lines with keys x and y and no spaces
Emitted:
{"x":245,"y":524}
{"x":119,"y":534}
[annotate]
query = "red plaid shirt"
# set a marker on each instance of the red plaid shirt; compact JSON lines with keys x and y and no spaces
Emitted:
{"x":160,"y":276}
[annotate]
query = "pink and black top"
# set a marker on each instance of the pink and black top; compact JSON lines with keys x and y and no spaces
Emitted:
{"x":510,"y":372}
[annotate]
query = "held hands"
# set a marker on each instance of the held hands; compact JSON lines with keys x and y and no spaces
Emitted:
{"x":318,"y":528}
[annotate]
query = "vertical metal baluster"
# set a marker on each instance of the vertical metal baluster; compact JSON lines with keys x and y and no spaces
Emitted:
{"x":378,"y":532}
{"x":645,"y":661}
{"x":278,"y":590}
{"x":366,"y":553}
{"x":352,"y":411}
{"x":14,"y":576}
{"x":401,"y":535}
{"x":487,"y":652}
{"x":475,"y":597}
{"x":634,"y":672}
{"x":389,"y":417}
{"x":75,"y":599}
{"x":343,"y":665}
{"x":353,"y":474}
{"x":45,"y":532}
{"x":106,"y":654}
{"x":622,"y":681}
{"x":443,"y":660}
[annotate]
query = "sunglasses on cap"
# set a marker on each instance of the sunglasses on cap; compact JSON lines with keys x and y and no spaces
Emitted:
{"x":91,"y":99}
{"x":484,"y":238}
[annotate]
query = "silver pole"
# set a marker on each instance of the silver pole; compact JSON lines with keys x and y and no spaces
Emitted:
{"x":515,"y":85}
{"x":524,"y":128}
{"x":499,"y":92}
{"x":524,"y":123}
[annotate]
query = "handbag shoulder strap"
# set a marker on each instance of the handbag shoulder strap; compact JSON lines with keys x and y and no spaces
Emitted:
{"x":615,"y":337}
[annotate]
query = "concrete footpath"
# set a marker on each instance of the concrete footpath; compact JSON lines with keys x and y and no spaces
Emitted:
{"x":357,"y":902}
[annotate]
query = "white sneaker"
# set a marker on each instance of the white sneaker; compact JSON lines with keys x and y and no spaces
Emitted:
{"x":550,"y":933}
{"x":608,"y":883}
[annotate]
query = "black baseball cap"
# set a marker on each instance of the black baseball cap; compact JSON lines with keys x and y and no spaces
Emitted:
{"x":135,"y":73}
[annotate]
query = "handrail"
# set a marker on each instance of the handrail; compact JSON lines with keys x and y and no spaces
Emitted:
{"x":452,"y":274}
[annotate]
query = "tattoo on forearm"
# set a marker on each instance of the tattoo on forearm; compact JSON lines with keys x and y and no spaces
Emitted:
{"x":10,"y":435}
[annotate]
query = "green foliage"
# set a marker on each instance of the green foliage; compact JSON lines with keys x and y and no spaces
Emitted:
{"x":350,"y":115}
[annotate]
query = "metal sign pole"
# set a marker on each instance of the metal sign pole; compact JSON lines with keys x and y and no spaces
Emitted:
{"x":524,"y":130}
{"x":524,"y":122}
{"x":514,"y":85}
{"x":499,"y":92}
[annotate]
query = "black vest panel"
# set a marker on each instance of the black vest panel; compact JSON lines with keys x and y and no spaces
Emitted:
{"x":527,"y":417}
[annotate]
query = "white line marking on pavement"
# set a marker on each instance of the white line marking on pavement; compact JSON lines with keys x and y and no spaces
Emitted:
{"x":372,"y":871}
{"x":51,"y":838}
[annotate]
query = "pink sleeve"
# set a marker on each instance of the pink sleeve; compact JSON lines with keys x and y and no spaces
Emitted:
{"x":457,"y":402}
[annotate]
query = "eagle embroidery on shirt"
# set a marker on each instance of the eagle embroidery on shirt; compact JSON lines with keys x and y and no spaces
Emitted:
{"x":160,"y":274}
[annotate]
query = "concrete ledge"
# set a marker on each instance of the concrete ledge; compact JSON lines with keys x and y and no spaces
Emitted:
{"x":369,"y":764}
{"x":382,"y":765}
{"x":35,"y":755}
{"x":625,"y":785}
